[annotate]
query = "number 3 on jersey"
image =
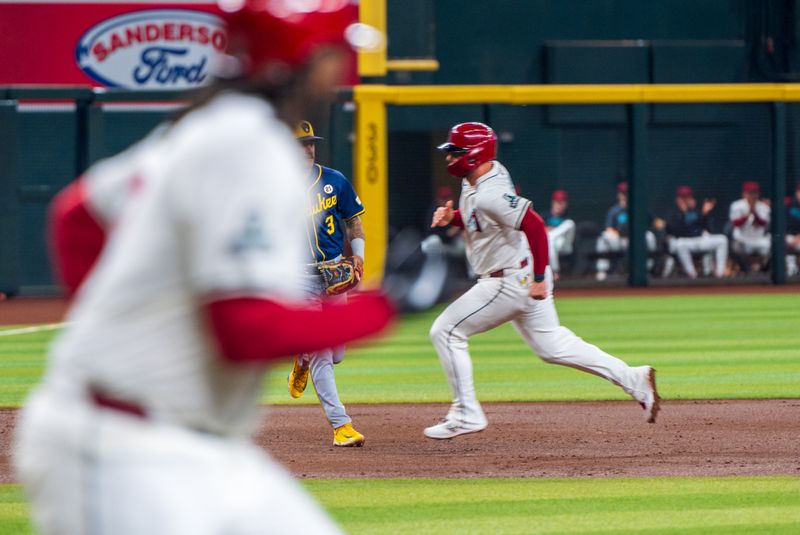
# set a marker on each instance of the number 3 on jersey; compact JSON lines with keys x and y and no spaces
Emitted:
{"x":329,"y":222}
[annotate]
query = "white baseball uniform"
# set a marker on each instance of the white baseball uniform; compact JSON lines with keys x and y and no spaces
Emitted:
{"x":560,"y":240}
{"x":500,"y":254}
{"x":200,"y":219}
{"x":751,"y":238}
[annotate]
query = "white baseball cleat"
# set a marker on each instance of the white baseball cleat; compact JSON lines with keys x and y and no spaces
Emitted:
{"x":647,"y":394}
{"x":449,"y":428}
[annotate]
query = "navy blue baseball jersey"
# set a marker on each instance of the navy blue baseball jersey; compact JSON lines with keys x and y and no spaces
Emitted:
{"x":793,"y":218}
{"x":332,"y":201}
{"x":617,"y":218}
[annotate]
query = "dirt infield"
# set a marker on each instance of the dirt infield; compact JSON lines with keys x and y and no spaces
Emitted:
{"x":575,"y":439}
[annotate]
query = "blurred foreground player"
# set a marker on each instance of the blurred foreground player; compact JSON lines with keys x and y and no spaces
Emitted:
{"x":184,"y":255}
{"x":507,"y":246}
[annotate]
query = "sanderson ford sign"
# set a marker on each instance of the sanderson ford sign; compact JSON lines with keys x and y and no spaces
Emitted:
{"x":153,"y":49}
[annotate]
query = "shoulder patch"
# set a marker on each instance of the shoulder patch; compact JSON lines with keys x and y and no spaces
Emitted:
{"x":251,"y":237}
{"x":513,"y":200}
{"x":328,"y":189}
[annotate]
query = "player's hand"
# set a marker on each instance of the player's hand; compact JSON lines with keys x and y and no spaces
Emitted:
{"x":538,"y":290}
{"x":443,"y":215}
{"x":708,"y":205}
{"x":358,"y":266}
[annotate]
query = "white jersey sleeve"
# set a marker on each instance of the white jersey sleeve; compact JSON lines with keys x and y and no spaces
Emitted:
{"x":503,"y":206}
{"x":110,"y":182}
{"x":739,"y":209}
{"x":244,"y":233}
{"x":763,"y":211}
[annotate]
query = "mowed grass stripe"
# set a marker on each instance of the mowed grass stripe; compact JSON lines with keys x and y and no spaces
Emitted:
{"x":516,"y":506}
{"x":669,"y":505}
{"x":704,"y":347}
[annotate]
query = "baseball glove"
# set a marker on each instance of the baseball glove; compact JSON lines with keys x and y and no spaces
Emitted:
{"x":339,"y":275}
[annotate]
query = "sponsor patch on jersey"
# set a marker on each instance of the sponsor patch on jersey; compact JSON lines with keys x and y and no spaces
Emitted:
{"x":153,"y":49}
{"x":328,"y":189}
{"x":524,"y":280}
{"x":251,"y":237}
{"x":513,"y":200}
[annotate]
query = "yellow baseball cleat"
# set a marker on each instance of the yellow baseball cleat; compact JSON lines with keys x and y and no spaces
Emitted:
{"x":347,"y":436}
{"x":298,"y":378}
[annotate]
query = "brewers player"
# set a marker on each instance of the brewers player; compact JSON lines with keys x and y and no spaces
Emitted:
{"x":334,"y":211}
{"x":507,"y":246}
{"x":188,"y":284}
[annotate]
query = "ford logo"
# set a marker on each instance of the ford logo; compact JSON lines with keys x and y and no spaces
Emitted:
{"x":153,"y":49}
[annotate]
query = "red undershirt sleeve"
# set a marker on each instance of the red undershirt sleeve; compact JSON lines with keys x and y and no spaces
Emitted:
{"x":533,"y":227}
{"x":76,"y":236}
{"x":457,"y":220}
{"x":757,"y":220}
{"x":261,"y":330}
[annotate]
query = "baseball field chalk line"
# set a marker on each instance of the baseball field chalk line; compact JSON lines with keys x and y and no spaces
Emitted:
{"x":33,"y":329}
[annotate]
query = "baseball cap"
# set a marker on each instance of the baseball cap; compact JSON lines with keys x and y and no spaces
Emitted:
{"x":622,"y":187}
{"x":560,"y":195}
{"x":750,"y":187}
{"x":684,"y":191}
{"x":304,"y":131}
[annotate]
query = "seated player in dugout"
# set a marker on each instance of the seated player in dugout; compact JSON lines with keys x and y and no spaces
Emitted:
{"x":750,"y":220}
{"x":560,"y":230}
{"x":614,"y":238}
{"x":793,"y":232}
{"x":334,"y":212}
{"x":689,"y":232}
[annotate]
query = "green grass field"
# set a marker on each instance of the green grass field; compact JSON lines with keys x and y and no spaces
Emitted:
{"x":516,"y":506}
{"x":705,"y":347}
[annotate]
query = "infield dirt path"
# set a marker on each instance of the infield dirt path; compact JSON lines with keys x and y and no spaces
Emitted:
{"x":575,"y":439}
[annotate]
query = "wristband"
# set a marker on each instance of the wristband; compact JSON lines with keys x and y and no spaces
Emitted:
{"x":357,"y":245}
{"x":538,"y":277}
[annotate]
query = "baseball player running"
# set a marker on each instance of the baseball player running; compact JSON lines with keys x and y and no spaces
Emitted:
{"x":188,"y":253}
{"x":334,"y":210}
{"x":507,"y":245}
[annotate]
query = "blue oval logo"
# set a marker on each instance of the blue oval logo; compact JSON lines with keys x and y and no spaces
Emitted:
{"x":153,"y":49}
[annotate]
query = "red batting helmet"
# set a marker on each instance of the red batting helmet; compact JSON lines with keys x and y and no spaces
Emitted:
{"x":267,"y":32}
{"x":473,"y":143}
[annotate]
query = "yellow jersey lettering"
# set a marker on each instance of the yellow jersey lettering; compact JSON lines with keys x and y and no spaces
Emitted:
{"x":323,"y":203}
